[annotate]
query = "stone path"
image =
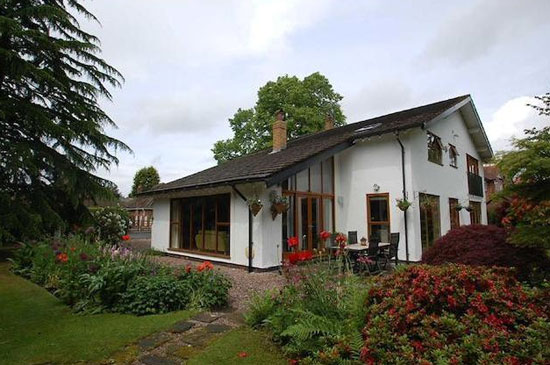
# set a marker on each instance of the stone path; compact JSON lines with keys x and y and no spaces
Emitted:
{"x":179,"y":343}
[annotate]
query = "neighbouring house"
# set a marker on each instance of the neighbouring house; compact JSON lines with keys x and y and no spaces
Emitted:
{"x":340,"y":179}
{"x":494,"y":183}
{"x":140,"y":211}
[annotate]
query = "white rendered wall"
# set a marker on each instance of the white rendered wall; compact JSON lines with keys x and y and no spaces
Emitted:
{"x":378,"y":161}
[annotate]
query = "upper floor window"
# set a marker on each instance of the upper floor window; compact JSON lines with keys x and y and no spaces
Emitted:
{"x":472,"y":165}
{"x":453,"y":156}
{"x":435,"y":149}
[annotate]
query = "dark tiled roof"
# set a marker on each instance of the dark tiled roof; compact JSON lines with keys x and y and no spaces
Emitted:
{"x":264,"y":164}
{"x":140,"y":202}
{"x":491,"y":172}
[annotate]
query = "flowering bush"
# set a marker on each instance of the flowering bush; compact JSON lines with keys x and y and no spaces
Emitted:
{"x":96,"y":278}
{"x":299,"y":256}
{"x":111,"y":224}
{"x":528,"y":223}
{"x":486,"y":245}
{"x":455,"y":314}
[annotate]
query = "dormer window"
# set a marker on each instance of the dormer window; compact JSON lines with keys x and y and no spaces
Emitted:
{"x":435,"y":149}
{"x":453,"y":156}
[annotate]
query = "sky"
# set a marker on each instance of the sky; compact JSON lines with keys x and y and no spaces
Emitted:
{"x":189,"y":65}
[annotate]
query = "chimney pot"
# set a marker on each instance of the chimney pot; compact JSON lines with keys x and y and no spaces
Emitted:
{"x":279,"y":132}
{"x":329,"y":122}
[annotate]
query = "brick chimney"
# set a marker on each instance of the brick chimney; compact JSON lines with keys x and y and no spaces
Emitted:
{"x":279,"y":132}
{"x":329,"y":122}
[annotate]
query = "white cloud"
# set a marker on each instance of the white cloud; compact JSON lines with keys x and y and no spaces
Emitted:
{"x":511,"y":119}
{"x":473,"y":32}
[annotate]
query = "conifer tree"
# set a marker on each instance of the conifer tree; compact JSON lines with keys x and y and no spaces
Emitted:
{"x":52,"y":129}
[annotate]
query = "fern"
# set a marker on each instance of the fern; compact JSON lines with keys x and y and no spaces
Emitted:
{"x":311,"y":325}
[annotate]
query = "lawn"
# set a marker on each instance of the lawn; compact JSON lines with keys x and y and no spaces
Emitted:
{"x":35,"y":327}
{"x":226,"y":350}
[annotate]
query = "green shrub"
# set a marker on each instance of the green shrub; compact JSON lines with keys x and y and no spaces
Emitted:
{"x":94,"y":278}
{"x":316,"y":315}
{"x":155,"y":294}
{"x":110,"y":224}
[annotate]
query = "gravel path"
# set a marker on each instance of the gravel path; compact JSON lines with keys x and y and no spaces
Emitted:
{"x":245,"y":284}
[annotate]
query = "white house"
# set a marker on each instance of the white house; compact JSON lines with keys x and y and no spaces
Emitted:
{"x":341,"y":179}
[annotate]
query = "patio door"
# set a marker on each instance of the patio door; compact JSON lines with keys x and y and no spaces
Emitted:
{"x":309,"y":221}
{"x":430,"y":220}
{"x":378,"y":216}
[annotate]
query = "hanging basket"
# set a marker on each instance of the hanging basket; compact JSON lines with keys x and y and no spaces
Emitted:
{"x":255,"y":208}
{"x":458,"y":208}
{"x":403,"y":204}
{"x":280,"y":207}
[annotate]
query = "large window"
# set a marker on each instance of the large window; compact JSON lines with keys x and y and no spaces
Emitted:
{"x":200,"y":224}
{"x":311,"y":196}
{"x":453,"y":156}
{"x":378,"y":219}
{"x":435,"y":149}
{"x":475,"y":213}
{"x":430,"y":219}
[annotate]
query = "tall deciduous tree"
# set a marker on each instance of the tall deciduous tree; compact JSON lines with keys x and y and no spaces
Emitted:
{"x":52,"y":137}
{"x":526,"y":170}
{"x":306,"y":103}
{"x":145,"y":179}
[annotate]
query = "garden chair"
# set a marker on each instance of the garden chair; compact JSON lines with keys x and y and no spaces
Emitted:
{"x":391,"y":252}
{"x":369,"y":261}
{"x":352,"y":237}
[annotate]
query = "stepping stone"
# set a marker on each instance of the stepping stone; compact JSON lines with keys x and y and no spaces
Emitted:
{"x":217,"y":328}
{"x":182,"y":326}
{"x":206,"y":317}
{"x":156,"y":360}
{"x":152,"y":341}
{"x":197,"y":338}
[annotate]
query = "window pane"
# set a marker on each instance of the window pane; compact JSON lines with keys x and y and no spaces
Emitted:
{"x":315,"y":178}
{"x":186,"y":225}
{"x":288,"y":223}
{"x":327,"y":215}
{"x":175,"y":210}
{"x":223,"y":208}
{"x":302,"y":180}
{"x":380,"y":231}
{"x":197,"y":224}
{"x":210,"y":224}
{"x":378,"y":208}
{"x":327,"y":176}
{"x":430,"y":219}
{"x":175,"y":225}
{"x":223,"y":240}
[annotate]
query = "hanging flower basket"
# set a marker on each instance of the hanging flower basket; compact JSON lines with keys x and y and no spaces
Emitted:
{"x":403,"y":204}
{"x":281,"y":207}
{"x":458,"y":207}
{"x":255,"y":205}
{"x":468,"y":208}
{"x":279,"y":204}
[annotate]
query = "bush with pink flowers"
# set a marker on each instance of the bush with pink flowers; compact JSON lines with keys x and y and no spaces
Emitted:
{"x":455,"y":314}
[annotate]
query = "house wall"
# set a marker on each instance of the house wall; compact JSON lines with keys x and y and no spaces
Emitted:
{"x":266,"y":231}
{"x":378,"y":161}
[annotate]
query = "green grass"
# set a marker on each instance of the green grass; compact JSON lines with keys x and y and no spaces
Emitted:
{"x":35,"y":327}
{"x":226,"y":349}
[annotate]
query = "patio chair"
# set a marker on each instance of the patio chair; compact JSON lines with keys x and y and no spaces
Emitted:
{"x":370,"y":259}
{"x":352,"y":237}
{"x":391,"y":253}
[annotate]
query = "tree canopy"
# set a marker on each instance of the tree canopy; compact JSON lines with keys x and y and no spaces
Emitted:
{"x":145,"y":179}
{"x":306,"y":103}
{"x":52,"y":138}
{"x":526,"y":172}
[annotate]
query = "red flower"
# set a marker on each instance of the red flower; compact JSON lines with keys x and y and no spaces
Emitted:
{"x":207,"y":265}
{"x":188,"y":269}
{"x":299,"y":256}
{"x":324,"y":235}
{"x":73,"y":249}
{"x":242,"y":354}
{"x":62,"y":257}
{"x":451,"y":301}
{"x":292,"y":362}
{"x":341,"y":238}
{"x":293,"y":242}
{"x":126,"y":237}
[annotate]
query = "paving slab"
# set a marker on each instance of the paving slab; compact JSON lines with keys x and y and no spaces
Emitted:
{"x":153,"y":341}
{"x":206,"y":317}
{"x":182,"y":326}
{"x":217,"y":328}
{"x":156,"y":360}
{"x":197,"y":338}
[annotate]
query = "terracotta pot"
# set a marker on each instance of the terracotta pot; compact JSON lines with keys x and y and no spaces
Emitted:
{"x":281,"y":207}
{"x":255,"y":208}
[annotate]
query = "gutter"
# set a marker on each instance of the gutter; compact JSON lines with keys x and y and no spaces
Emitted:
{"x":250,"y":221}
{"x":404,"y":197}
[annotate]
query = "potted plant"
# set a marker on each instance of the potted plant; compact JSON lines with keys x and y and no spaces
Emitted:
{"x":279,"y":204}
{"x":403,"y":204}
{"x":255,"y":205}
{"x":459,"y":207}
{"x":469,"y":208}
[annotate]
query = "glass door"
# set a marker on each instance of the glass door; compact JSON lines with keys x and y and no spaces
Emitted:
{"x":378,"y":216}
{"x":309,"y":221}
{"x":430,"y":219}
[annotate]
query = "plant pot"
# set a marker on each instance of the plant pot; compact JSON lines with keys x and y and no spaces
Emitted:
{"x":280,"y":207}
{"x":458,"y":209}
{"x":468,"y":209}
{"x":255,"y":208}
{"x":403,"y":208}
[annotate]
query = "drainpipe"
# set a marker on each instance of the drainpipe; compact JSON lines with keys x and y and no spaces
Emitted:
{"x":250,"y":218}
{"x":404,"y":197}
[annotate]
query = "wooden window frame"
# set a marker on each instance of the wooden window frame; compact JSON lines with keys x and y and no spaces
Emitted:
{"x":475,"y":212}
{"x":453,"y":156}
{"x":378,"y":223}
{"x":435,"y":141}
{"x":474,"y":163}
{"x":453,"y":202}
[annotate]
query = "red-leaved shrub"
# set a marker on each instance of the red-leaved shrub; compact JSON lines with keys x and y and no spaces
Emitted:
{"x":487,"y":246}
{"x":455,"y":314}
